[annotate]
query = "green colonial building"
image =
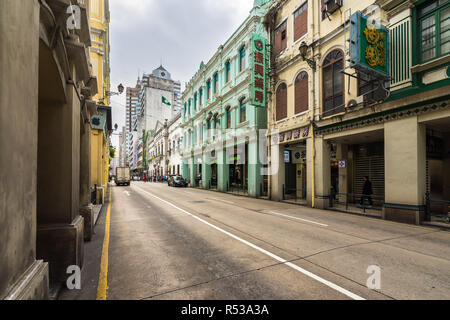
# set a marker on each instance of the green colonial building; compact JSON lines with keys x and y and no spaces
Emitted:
{"x":224,"y":109}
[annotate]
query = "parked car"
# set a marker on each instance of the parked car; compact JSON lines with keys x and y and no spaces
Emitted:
{"x":176,"y":181}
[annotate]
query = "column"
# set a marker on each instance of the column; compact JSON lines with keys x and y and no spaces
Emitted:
{"x":223,"y":170}
{"x":323,"y":174}
{"x":86,"y":208}
{"x":277,"y":171}
{"x":60,"y":231}
{"x":405,"y":170}
{"x":22,"y":276}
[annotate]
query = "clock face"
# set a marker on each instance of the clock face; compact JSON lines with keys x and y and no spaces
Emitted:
{"x":163,"y":74}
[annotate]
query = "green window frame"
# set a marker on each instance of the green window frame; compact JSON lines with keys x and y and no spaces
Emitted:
{"x":216,"y":83}
{"x":242,"y":110}
{"x":434,"y":29}
{"x":242,"y":58}
{"x":227,"y":71}
{"x":195,"y":102}
{"x":208,"y":89}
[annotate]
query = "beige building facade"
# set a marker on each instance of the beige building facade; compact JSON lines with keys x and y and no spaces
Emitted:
{"x":332,"y":125}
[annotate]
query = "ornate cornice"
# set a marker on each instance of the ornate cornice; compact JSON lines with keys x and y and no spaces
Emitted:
{"x":382,"y":117}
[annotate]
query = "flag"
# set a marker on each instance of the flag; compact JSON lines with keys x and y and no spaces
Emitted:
{"x":165,"y":101}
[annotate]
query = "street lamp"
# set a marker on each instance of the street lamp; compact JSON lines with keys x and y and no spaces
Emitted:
{"x":120,"y":87}
{"x":303,"y":51}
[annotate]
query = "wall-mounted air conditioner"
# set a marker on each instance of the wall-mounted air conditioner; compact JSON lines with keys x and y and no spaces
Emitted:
{"x":332,"y":5}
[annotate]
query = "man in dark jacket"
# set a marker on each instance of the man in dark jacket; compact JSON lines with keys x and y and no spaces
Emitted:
{"x":367,"y":191}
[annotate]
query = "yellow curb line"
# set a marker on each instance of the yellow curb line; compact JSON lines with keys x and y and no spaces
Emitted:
{"x":103,"y":277}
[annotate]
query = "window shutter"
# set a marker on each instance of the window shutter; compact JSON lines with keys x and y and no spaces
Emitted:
{"x":301,"y":24}
{"x":301,"y":93}
{"x":281,"y":102}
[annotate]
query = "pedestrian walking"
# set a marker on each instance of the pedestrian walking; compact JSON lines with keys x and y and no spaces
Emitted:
{"x":367,"y":191}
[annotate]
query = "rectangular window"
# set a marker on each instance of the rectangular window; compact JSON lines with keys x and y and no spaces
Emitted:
{"x":243,"y":112}
{"x":434,"y":24}
{"x":227,"y":71}
{"x":208,"y":89}
{"x":281,"y":38}
{"x":200,"y":97}
{"x":216,"y":83}
{"x":241,"y":59}
{"x":301,"y":21}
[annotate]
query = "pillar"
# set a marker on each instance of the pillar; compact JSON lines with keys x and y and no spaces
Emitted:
{"x":22,"y":276}
{"x":323,"y":173}
{"x":277,"y":172}
{"x":342,"y":155}
{"x":60,"y":231}
{"x":223,"y":170}
{"x":86,"y":208}
{"x":206,"y":170}
{"x":405,"y":170}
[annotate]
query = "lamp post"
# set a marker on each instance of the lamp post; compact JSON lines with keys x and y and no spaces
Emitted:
{"x":303,"y":51}
{"x":120,"y":87}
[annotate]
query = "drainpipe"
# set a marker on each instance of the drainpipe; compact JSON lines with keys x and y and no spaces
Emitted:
{"x":313,"y":172}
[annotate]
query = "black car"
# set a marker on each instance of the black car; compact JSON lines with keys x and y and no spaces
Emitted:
{"x":177,"y":182}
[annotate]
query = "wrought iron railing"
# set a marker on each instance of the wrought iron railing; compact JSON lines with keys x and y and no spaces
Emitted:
{"x":362,"y":201}
{"x":437,"y":209}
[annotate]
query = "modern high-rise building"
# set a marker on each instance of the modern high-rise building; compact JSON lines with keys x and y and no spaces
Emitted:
{"x":131,"y":104}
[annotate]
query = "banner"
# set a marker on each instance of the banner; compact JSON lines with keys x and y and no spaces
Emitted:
{"x":258,"y":70}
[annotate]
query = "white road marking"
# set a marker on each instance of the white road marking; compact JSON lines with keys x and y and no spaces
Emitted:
{"x":127,"y":193}
{"x":284,"y":261}
{"x":223,"y":200}
{"x":304,"y":220}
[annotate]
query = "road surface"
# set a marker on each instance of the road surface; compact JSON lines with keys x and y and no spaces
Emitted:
{"x":176,"y":243}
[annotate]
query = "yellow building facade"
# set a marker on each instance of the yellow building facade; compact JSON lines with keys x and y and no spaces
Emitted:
{"x":100,"y":60}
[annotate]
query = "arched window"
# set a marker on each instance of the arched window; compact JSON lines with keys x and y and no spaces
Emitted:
{"x":301,"y":93}
{"x":281,"y":102}
{"x":242,"y":58}
{"x":333,"y":83}
{"x":227,"y":71}
{"x":228,"y":115}
{"x":200,"y":97}
{"x":195,"y":101}
{"x":242,"y":110}
{"x":208,"y":89}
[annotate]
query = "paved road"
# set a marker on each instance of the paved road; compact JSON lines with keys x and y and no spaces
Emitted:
{"x":168,"y":243}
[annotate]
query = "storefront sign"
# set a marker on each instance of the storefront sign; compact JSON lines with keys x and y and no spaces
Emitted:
{"x":258,"y":70}
{"x":286,"y":136}
{"x":369,"y":46}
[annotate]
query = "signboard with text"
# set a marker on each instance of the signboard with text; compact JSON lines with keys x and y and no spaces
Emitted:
{"x":369,"y":46}
{"x":258,"y":70}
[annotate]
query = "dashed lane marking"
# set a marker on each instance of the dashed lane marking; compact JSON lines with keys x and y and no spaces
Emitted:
{"x":279,"y":259}
{"x":300,"y":219}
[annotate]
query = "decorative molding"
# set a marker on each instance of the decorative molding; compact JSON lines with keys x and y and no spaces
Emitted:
{"x":382,"y":117}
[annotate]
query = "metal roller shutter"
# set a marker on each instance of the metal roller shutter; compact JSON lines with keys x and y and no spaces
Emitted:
{"x":369,"y":161}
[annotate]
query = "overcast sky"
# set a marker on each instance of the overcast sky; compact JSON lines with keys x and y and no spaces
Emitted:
{"x":181,"y":33}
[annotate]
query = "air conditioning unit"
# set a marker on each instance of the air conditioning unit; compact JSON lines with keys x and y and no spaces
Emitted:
{"x":332,"y":5}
